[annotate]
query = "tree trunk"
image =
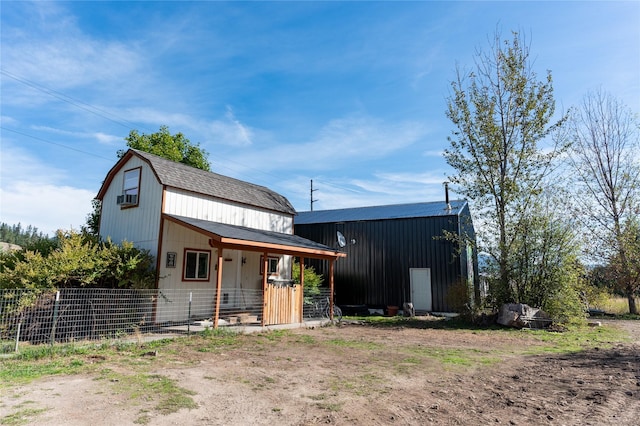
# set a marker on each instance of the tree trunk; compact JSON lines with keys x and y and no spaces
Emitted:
{"x":633,"y":308}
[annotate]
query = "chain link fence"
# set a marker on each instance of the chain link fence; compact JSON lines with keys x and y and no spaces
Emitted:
{"x":80,"y":314}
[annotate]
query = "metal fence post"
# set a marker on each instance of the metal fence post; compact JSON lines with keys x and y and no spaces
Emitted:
{"x":189,"y":317}
{"x":18,"y":336}
{"x":55,"y":317}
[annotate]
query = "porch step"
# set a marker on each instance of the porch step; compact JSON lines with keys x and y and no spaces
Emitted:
{"x":247,"y":318}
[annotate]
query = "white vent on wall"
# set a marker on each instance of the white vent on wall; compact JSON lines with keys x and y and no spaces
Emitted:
{"x":127,"y":200}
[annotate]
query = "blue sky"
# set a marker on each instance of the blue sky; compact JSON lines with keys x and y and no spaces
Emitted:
{"x":349,"y":94}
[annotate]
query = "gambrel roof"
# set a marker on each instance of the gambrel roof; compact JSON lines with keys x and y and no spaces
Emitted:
{"x":177,"y":175}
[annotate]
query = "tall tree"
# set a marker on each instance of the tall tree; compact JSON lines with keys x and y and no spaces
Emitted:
{"x":606,"y":160}
{"x":501,"y":114}
{"x":173,"y":147}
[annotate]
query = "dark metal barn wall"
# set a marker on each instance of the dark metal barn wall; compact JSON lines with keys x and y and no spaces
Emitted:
{"x":376,"y":270}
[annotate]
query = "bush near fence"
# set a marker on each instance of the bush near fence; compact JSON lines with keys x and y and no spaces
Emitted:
{"x":78,"y":314}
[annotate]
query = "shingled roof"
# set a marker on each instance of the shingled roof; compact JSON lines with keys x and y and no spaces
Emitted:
{"x":181,"y":176}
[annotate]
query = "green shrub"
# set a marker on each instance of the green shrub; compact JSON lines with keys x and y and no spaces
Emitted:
{"x":312,"y":280}
{"x":78,"y":261}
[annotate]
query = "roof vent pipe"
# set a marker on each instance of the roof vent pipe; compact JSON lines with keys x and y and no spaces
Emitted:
{"x":446,"y":195}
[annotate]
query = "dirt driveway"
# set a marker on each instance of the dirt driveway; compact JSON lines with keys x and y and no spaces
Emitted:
{"x":357,"y":375}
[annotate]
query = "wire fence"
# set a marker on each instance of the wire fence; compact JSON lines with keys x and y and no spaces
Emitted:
{"x":78,"y":314}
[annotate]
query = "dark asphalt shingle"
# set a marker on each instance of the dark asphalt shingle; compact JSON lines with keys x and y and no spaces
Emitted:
{"x":181,"y":176}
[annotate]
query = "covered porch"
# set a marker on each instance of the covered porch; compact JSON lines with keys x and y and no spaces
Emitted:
{"x":275,"y":300}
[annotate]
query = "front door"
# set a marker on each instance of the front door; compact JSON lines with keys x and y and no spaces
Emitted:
{"x":421,"y":289}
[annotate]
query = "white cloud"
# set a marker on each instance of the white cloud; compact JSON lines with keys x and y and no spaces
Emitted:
{"x":379,"y":189}
{"x":47,"y":207}
{"x":100,"y":137}
{"x":55,"y":52}
{"x":6,"y":120}
{"x":31,"y":195}
{"x":225,"y":131}
{"x":107,"y":139}
{"x":340,"y":143}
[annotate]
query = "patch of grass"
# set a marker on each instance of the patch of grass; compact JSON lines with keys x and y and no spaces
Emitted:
{"x":319,"y":397}
{"x":575,"y":340}
{"x":275,"y":335}
{"x":143,"y":418}
{"x":15,"y":371}
{"x":333,"y":407}
{"x":458,"y":357}
{"x":616,"y":305}
{"x":354,"y":344}
{"x":21,"y":417}
{"x":305,"y":339}
{"x":630,"y":316}
{"x":209,"y":342}
{"x":415,"y":322}
{"x":169,"y":397}
{"x":412,"y":360}
{"x":453,"y":357}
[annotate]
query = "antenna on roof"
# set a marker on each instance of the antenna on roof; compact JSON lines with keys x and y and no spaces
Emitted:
{"x":446,"y":195}
{"x":311,"y":193}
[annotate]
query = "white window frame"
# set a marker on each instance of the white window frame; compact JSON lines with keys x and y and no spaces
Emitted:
{"x":200,"y":263}
{"x":273,"y":265}
{"x":128,"y":187}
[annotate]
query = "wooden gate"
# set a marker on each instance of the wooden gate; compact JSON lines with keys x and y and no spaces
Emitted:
{"x":282,"y":303}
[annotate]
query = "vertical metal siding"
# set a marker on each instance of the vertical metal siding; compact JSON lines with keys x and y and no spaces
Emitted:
{"x":376,"y":269}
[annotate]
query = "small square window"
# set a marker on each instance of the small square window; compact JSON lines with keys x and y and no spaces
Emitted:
{"x":272,"y":265}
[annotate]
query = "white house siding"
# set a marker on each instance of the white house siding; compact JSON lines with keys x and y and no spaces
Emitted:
{"x":140,"y":224}
{"x":183,"y":203}
{"x":173,"y":300}
{"x":242,"y":283}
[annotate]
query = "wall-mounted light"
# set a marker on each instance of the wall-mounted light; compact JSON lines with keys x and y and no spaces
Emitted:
{"x":244,"y":260}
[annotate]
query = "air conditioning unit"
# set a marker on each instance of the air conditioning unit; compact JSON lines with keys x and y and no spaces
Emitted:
{"x":127,"y":199}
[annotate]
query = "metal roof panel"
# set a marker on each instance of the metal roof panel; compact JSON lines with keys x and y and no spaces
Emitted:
{"x":394,"y":211}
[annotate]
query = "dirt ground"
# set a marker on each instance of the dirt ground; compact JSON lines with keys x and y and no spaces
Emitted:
{"x":362,"y":375}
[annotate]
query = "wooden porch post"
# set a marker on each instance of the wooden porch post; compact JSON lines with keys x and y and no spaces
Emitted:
{"x":216,"y":316}
{"x":265,"y":276}
{"x":301,"y":297}
{"x":331,"y":263}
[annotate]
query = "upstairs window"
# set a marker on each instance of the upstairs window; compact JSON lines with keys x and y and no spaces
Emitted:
{"x":196,"y":265}
{"x":130,"y":188}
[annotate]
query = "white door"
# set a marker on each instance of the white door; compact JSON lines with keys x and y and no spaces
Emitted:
{"x":421,"y":288}
{"x":230,"y":265}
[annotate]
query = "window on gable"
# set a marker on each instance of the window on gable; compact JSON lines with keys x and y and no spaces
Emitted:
{"x":130,"y":188}
{"x":196,"y":265}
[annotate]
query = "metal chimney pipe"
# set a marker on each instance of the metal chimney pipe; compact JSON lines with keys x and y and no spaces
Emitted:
{"x":446,"y":195}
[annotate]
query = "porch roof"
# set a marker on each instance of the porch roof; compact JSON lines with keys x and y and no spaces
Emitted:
{"x":243,"y":238}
